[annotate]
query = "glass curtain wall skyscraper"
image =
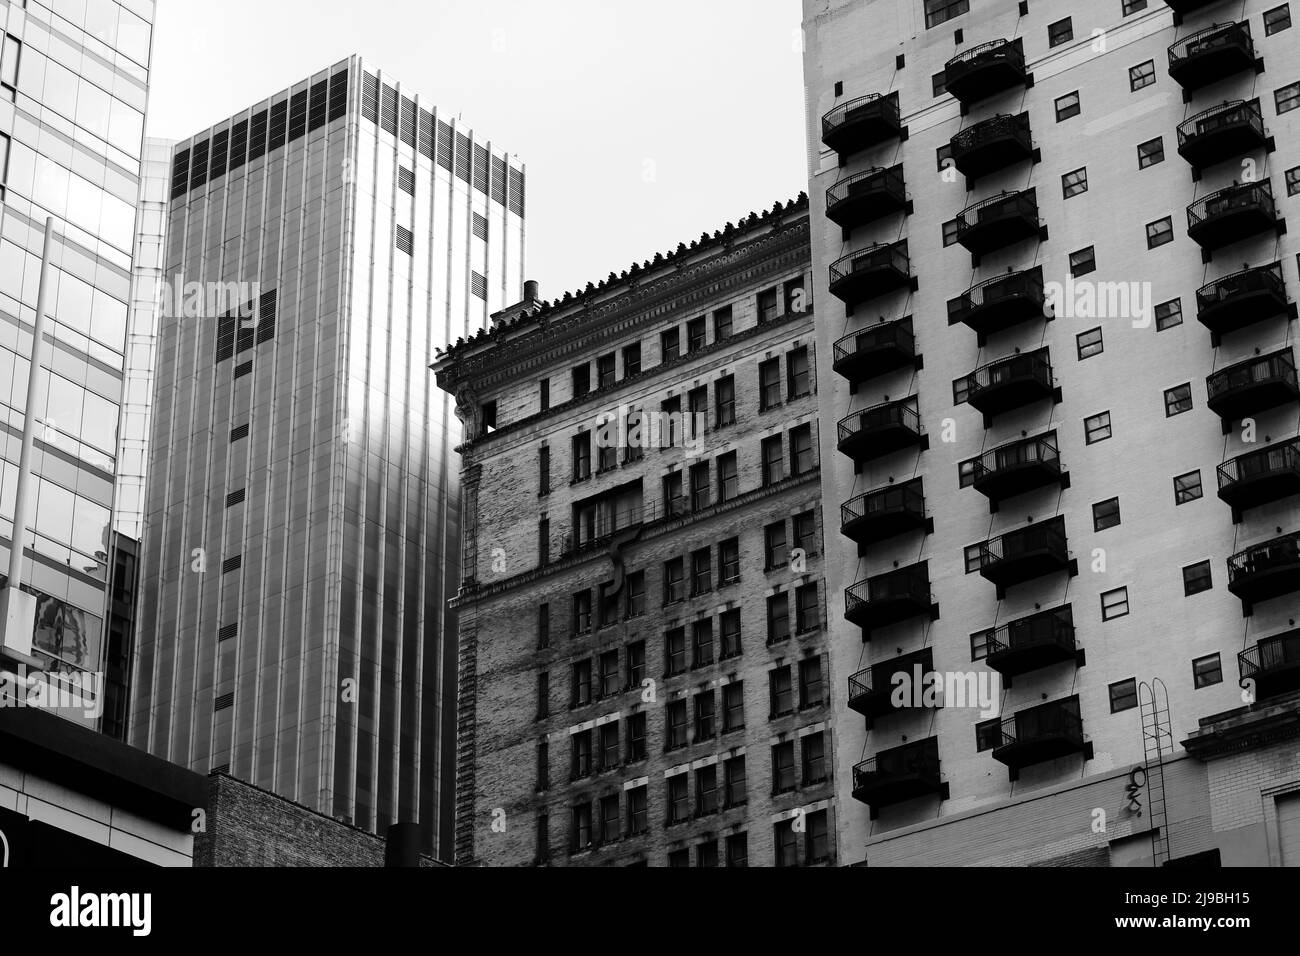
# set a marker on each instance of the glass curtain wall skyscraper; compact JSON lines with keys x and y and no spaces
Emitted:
{"x":74,"y":82}
{"x":301,"y":521}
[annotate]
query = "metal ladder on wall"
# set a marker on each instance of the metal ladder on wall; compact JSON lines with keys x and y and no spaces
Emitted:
{"x":1157,"y":741}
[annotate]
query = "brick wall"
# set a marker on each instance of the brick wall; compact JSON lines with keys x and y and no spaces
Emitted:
{"x":248,"y":826}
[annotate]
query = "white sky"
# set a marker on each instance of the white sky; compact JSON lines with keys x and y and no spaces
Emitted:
{"x":641,"y":124}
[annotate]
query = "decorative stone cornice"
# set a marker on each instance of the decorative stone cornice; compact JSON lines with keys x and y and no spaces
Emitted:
{"x":1247,"y":728}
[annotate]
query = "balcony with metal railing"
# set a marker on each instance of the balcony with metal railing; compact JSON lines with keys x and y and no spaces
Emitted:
{"x":865,"y":197}
{"x":999,"y":303}
{"x":992,"y":144}
{"x":872,"y":690}
{"x":1007,"y":384}
{"x":1015,"y":468}
{"x":1032,"y":643}
{"x":1241,"y":299}
{"x":881,"y":430}
{"x":1222,"y":133}
{"x":876,"y":350}
{"x":1212,"y":54}
{"x":1023,"y":555}
{"x":1253,"y":386}
{"x":1265,"y":571}
{"x":1260,"y":477}
{"x":1233,"y":214}
{"x":1041,"y":733}
{"x":862,"y":123}
{"x":1273,"y":664}
{"x":899,"y":774}
{"x":890,"y":598}
{"x":874,"y":271}
{"x":987,"y":69}
{"x":999,"y":222}
{"x":885,"y":513}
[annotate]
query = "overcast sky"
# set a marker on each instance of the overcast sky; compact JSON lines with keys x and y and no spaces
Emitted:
{"x":641,"y":124}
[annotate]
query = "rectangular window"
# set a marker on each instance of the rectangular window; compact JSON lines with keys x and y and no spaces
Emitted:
{"x":1083,"y":262}
{"x":702,"y":642}
{"x":733,"y":777}
{"x":636,"y":737}
{"x":701,"y":571}
{"x":780,"y":691}
{"x":769,"y":383}
{"x":1277,"y":19}
{"x":582,"y":456}
{"x":581,"y":380}
{"x":634,"y":604}
{"x":728,"y":562}
{"x":773,"y":460}
{"x":775,"y":553}
{"x":545,"y":400}
{"x":1123,"y":695}
{"x":544,"y":625}
{"x":1133,"y":6}
{"x":724,"y":401}
{"x":1105,"y":514}
{"x":1096,"y":428}
{"x":674,"y":581}
{"x":543,"y":694}
{"x":1114,"y":604}
{"x":606,"y":370}
{"x":706,"y":790}
{"x":949,"y":232}
{"x":705,"y":716}
{"x":1207,"y":671}
{"x":722,"y":324}
{"x":1089,"y":343}
{"x":580,"y":673}
{"x":939,"y":83}
{"x":1292,"y":179}
{"x":636,"y":672}
{"x":728,"y":479}
{"x":543,"y":837}
{"x":1169,"y":314}
{"x":608,"y":831}
{"x":733,"y":706}
{"x":1160,"y":232}
{"x":544,"y":471}
{"x":811,"y":689}
{"x":805,"y":532}
{"x":606,"y":458}
{"x":675,"y":651}
{"x":778,"y":618}
{"x":729,"y":634}
{"x":813,"y":752}
{"x":670,"y":411}
{"x":1062,"y":31}
{"x":798,"y":377}
{"x":1287,"y":98}
{"x":699,"y":475}
{"x":806,"y":617}
{"x":738,"y":849}
{"x":1187,"y":487}
{"x":1151,"y":152}
{"x":631,"y":359}
{"x":9,"y":56}
{"x":675,"y":725}
{"x":801,"y":450}
{"x":697,"y":409}
{"x":768,"y":306}
{"x":1142,"y":75}
{"x":1197,"y":578}
{"x":580,"y":755}
{"x":670,"y":344}
{"x":580,"y":836}
{"x":679,"y":806}
{"x":1074,"y":183}
{"x":638,"y":810}
{"x":674,"y":494}
{"x":941,"y":11}
{"x":607,"y":674}
{"x":783,"y":772}
{"x":1067,"y":106}
{"x":1178,"y":400}
{"x":696,"y":335}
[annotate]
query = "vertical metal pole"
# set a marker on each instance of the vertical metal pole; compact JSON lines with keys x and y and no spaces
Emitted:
{"x":24,"y":496}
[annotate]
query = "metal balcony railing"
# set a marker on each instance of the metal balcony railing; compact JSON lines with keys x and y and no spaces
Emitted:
{"x":1278,"y":367}
{"x":878,"y":256}
{"x":908,"y":498}
{"x":1056,"y":719}
{"x":897,"y":335}
{"x":905,"y":584}
{"x":1035,"y":450}
{"x":1230,"y":200}
{"x":1275,"y":460}
{"x":1213,"y":39}
{"x":1264,"y":280}
{"x":1008,"y":205}
{"x":877,"y":114}
{"x":1235,"y":113}
{"x":899,"y":414}
{"x":1268,"y":660}
{"x":1278,"y":554}
{"x":1001,"y":127}
{"x":887,"y":182}
{"x":1034,"y":367}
